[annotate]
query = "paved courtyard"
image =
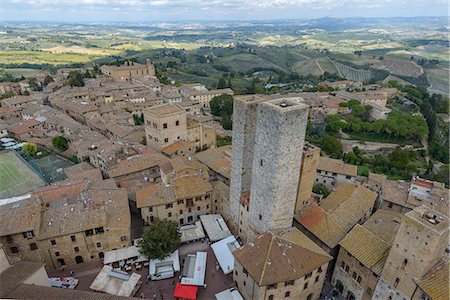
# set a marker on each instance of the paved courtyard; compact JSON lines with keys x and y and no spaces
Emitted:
{"x":215,"y":280}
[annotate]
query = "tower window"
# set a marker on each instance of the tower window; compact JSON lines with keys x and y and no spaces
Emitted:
{"x":397,"y":280}
{"x":260,"y":217}
{"x":405,"y":262}
{"x":261,"y":162}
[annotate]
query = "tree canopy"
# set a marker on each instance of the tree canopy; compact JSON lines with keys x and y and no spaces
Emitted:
{"x":160,"y":239}
{"x":60,"y":143}
{"x":29,"y":149}
{"x":222,"y":106}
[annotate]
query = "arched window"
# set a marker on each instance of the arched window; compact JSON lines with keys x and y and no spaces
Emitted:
{"x":350,"y":296}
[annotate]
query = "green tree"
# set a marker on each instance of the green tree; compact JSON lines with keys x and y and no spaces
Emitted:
{"x":223,"y":141}
{"x":222,"y":106}
{"x":331,"y":146}
{"x":443,"y":174}
{"x":29,"y":149}
{"x":60,"y":143}
{"x":221,"y":83}
{"x":160,"y":239}
{"x":320,"y":189}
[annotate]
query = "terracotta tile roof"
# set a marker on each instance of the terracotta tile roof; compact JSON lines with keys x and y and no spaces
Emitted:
{"x":385,"y":224}
{"x":322,"y":225}
{"x":135,"y":164}
{"x":148,"y":196}
{"x":19,"y":216}
{"x":175,"y":147}
{"x":26,"y":291}
{"x":422,"y":182}
{"x":435,"y":283}
{"x":165,"y":109}
{"x":190,"y":186}
{"x":336,"y":166}
{"x":180,"y":188}
{"x":187,"y":165}
{"x":77,"y":207}
{"x":337,"y":214}
{"x":15,"y":275}
{"x":67,"y":208}
{"x":395,"y":191}
{"x":280,"y":256}
{"x":166,"y":167}
{"x":217,"y":159}
{"x":366,"y":247}
{"x":23,"y":127}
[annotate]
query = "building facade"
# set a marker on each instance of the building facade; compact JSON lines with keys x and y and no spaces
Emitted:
{"x":310,"y":161}
{"x":419,"y":244}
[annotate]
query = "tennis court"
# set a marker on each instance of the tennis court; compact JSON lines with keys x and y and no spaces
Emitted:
{"x":51,"y":167}
{"x":16,"y":177}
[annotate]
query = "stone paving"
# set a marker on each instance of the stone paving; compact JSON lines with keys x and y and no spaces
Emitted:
{"x":215,"y":280}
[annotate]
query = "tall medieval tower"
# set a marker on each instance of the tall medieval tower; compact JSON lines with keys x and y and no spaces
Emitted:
{"x":268,"y":138}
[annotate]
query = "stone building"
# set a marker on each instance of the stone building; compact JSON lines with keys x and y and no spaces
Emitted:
{"x":199,"y":94}
{"x":401,"y":196}
{"x":280,"y":264}
{"x":310,"y":161}
{"x":218,"y":161}
{"x":183,"y":195}
{"x":201,"y":135}
{"x":165,"y":124}
{"x":363,"y":253}
{"x":330,"y":222}
{"x":334,"y":172}
{"x":420,"y":243}
{"x":143,"y":166}
{"x":129,"y":70}
{"x":271,"y":134}
{"x":393,"y":193}
{"x":68,"y":223}
{"x":434,"y":284}
{"x":244,"y":128}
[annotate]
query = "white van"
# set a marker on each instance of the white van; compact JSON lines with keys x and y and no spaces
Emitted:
{"x":163,"y":270}
{"x":166,"y":268}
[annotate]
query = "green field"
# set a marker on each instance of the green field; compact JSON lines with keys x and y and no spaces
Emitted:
{"x":16,"y":177}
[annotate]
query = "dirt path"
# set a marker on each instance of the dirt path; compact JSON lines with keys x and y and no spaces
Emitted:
{"x":320,"y":67}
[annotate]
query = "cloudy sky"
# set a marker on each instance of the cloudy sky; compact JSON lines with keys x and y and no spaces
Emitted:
{"x":211,"y":10}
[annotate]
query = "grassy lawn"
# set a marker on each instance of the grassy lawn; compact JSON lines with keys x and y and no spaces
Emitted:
{"x":16,"y":177}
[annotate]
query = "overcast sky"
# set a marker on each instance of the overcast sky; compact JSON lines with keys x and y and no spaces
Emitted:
{"x":211,"y":10}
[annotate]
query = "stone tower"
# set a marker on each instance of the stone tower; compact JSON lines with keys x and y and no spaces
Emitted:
{"x":420,"y":242}
{"x":244,"y":127}
{"x":277,"y":155}
{"x":310,"y":161}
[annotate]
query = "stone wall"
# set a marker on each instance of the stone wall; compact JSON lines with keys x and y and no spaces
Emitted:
{"x":279,"y":139}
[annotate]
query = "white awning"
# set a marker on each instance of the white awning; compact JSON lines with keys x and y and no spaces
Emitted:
{"x":223,"y":250}
{"x":215,"y":227}
{"x":173,"y":258}
{"x":123,"y":254}
{"x":230,"y":294}
{"x":116,"y":282}
{"x":195,"y":272}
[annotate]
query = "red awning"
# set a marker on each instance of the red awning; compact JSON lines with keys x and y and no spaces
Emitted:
{"x":185,"y":291}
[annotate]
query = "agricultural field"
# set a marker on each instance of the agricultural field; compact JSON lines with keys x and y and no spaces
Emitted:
{"x":399,"y":67}
{"x":40,"y":57}
{"x":439,"y":80}
{"x":355,"y":49}
{"x":351,"y":73}
{"x":19,"y":72}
